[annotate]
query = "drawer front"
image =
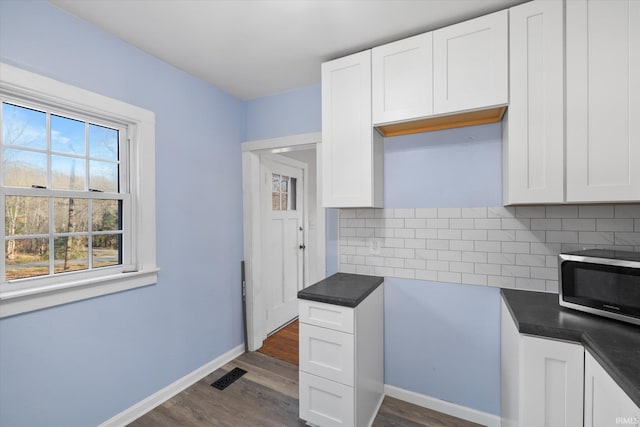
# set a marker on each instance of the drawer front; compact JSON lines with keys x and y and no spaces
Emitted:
{"x":327,"y":354}
{"x":326,"y":403}
{"x":329,"y":316}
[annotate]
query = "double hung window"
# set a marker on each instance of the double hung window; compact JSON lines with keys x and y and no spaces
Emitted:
{"x":74,"y":174}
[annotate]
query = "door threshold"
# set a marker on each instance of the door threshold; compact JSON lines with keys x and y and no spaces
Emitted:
{"x":282,"y":327}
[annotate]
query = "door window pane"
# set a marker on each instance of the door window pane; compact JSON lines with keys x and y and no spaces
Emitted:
{"x":24,"y":127}
{"x":26,"y":258}
{"x":67,"y":135}
{"x":292,"y":195}
{"x":26,"y":215}
{"x":21,"y":168}
{"x":67,"y":173}
{"x":103,"y":142}
{"x":275,"y":192}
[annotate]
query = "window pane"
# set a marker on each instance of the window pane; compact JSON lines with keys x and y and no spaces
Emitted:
{"x":67,"y":173}
{"x":106,"y":215}
{"x":103,"y":176}
{"x":292,"y":195}
{"x":275,"y":201}
{"x":285,"y":184}
{"x":106,"y":250}
{"x":103,"y":142}
{"x":67,"y":135}
{"x":26,"y":215}
{"x":71,"y":254}
{"x":22,"y":168}
{"x":275,"y":183}
{"x":70,"y":215}
{"x":26,"y":258}
{"x":24,"y":127}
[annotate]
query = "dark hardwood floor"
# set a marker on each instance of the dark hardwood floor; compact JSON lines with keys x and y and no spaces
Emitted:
{"x":283,"y":344}
{"x":267,"y":395}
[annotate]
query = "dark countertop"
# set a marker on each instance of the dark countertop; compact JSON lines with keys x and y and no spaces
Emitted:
{"x":343,"y":289}
{"x":614,"y":344}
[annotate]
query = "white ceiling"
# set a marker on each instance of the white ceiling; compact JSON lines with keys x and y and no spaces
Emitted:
{"x":254,"y":48}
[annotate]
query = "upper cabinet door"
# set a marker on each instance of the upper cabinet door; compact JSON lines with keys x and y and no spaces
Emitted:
{"x":402,"y":79}
{"x":351,"y":154}
{"x":603,"y":100}
{"x":534,"y":143}
{"x":470,"y":64}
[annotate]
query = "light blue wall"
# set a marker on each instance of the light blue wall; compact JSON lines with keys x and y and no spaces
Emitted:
{"x":82,"y":363}
{"x":290,"y":113}
{"x":449,"y":168}
{"x":443,"y":339}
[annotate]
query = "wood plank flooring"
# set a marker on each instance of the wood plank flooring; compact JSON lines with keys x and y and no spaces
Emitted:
{"x":283,"y":344}
{"x":267,"y":395}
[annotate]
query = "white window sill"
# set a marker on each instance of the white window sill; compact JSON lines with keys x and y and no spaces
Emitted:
{"x":22,"y":301}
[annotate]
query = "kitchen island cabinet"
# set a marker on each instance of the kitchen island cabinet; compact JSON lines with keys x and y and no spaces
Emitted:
{"x":341,"y":350}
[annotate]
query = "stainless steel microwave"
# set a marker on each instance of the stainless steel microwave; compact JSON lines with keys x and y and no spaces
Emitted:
{"x":602,"y":282}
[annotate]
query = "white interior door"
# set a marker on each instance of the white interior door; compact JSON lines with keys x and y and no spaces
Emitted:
{"x":283,"y":241}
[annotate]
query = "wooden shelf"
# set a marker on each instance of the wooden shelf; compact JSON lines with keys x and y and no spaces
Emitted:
{"x":469,"y":118}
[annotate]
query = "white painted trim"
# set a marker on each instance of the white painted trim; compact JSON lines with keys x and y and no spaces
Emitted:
{"x":375,"y":413}
{"x":139,"y":409}
{"x":256,"y":303}
{"x":448,"y":408}
{"x":283,"y":142}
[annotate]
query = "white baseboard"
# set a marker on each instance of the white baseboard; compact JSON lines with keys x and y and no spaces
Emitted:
{"x":445,"y":407}
{"x":139,"y":409}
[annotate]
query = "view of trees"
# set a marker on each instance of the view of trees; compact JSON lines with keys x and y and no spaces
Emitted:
{"x":77,"y":223}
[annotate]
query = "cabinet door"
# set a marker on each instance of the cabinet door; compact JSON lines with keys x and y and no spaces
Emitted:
{"x":326,"y":403}
{"x":328,"y":354}
{"x":402,"y":79}
{"x":603,"y":100}
{"x":351,"y":154}
{"x":605,"y":403}
{"x":552,"y":377}
{"x":470,"y":64}
{"x":534,"y":146}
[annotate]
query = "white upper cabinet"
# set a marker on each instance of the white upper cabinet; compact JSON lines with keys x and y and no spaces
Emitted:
{"x":603,"y":100}
{"x":352,"y":156}
{"x":534,"y":139}
{"x":605,"y":403}
{"x":402,"y":79}
{"x":470,"y":64}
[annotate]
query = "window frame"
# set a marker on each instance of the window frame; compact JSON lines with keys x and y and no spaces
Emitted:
{"x":23,"y":295}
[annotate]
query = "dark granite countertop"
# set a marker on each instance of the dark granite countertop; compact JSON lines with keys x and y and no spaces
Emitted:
{"x":342,"y":289}
{"x":614,"y":344}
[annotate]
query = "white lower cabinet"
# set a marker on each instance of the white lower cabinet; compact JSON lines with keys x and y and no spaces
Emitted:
{"x":605,"y":403}
{"x":341,"y":362}
{"x":542,"y":379}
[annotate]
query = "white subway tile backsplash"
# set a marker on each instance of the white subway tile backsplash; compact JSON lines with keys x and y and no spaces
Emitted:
{"x":595,"y":211}
{"x":449,"y":212}
{"x":546,"y":224}
{"x":619,"y":224}
{"x":510,"y":247}
{"x":474,"y":257}
{"x":404,"y":213}
{"x":474,"y":234}
{"x":596,"y":237}
{"x":562,"y":237}
{"x":473,"y":212}
{"x":562,"y":212}
{"x":426,"y":212}
{"x":627,"y":211}
{"x":573,"y":224}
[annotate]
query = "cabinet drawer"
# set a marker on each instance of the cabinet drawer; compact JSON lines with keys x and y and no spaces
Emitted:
{"x":327,"y":353}
{"x":329,"y":316}
{"x":326,"y":403}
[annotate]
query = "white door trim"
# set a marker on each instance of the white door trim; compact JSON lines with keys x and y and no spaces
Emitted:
{"x":256,"y":296}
